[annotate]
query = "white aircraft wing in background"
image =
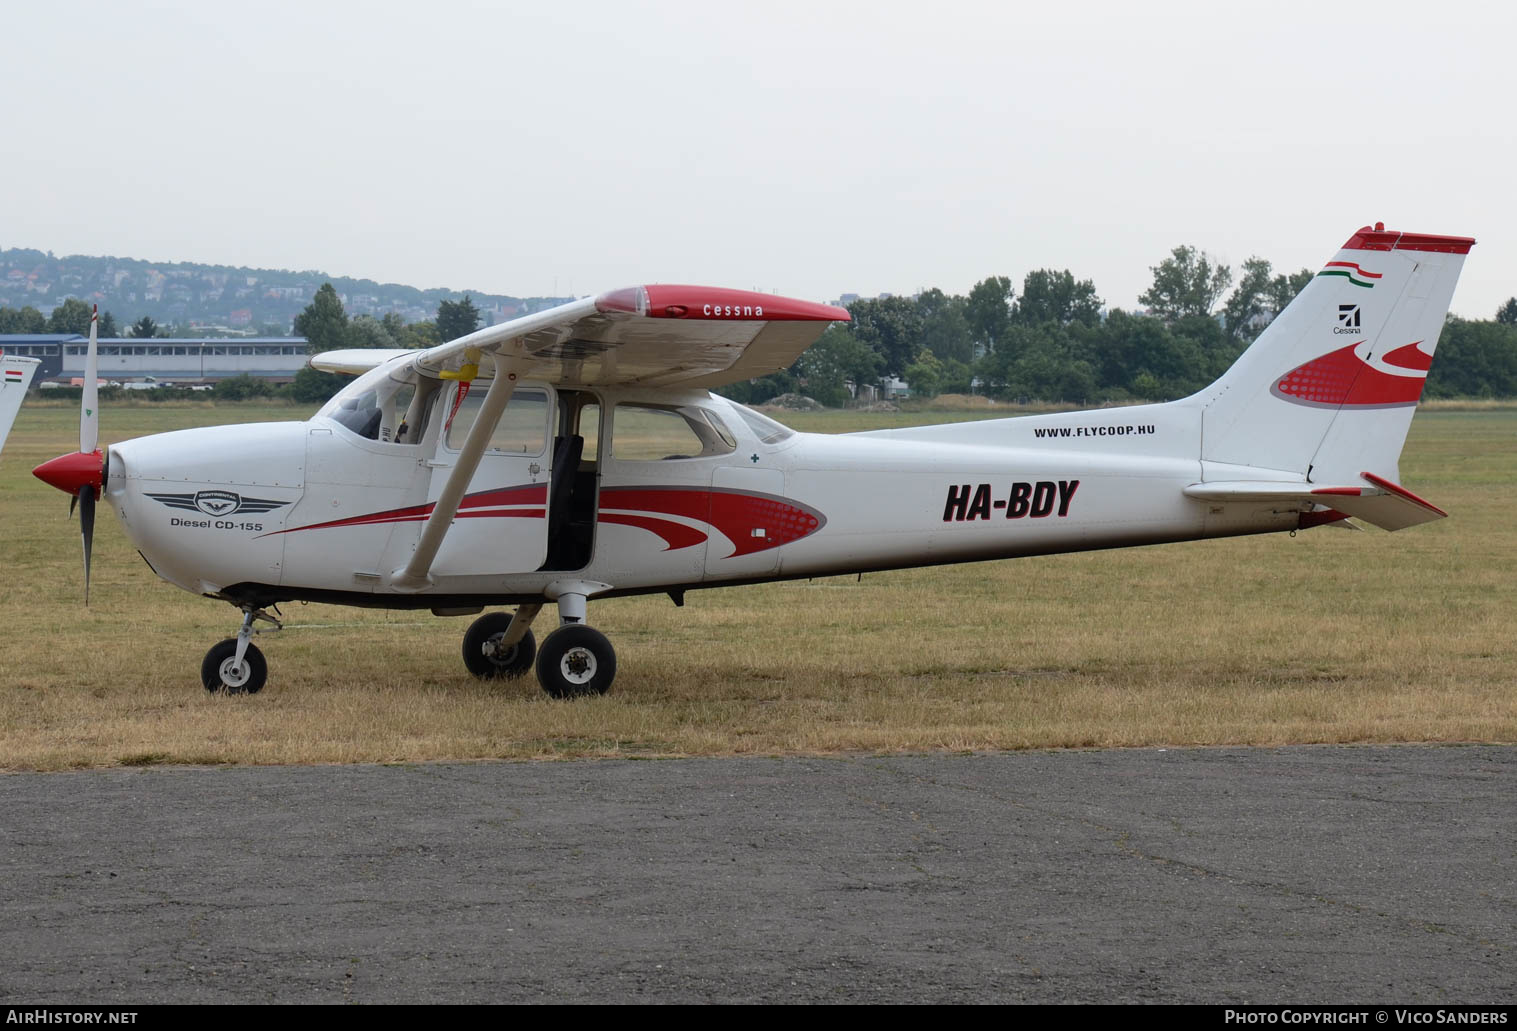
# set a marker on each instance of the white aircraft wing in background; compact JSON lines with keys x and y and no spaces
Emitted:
{"x":15,"y":376}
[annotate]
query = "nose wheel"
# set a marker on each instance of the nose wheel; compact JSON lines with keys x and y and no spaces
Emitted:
{"x":236,"y":666}
{"x":222,"y":672}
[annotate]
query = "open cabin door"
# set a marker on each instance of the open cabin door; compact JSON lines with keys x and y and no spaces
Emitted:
{"x":502,"y":524}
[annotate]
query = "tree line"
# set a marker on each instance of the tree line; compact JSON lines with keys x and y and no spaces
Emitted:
{"x":1054,"y":340}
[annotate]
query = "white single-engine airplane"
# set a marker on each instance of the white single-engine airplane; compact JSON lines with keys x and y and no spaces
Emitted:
{"x":576,"y":453}
{"x":15,"y":376}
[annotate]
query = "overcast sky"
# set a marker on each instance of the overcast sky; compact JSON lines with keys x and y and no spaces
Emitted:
{"x":807,"y":148}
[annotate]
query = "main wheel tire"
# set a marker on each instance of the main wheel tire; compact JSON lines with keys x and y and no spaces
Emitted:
{"x":220,"y":674}
{"x":482,"y":652}
{"x":576,"y":660}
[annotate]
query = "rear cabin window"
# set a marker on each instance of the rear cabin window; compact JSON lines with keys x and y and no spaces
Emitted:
{"x":523,"y":426}
{"x":653,"y":433}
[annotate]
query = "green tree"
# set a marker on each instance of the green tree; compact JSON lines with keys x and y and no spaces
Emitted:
{"x":240,"y":388}
{"x":945,"y":325}
{"x":1475,"y":358}
{"x":22,"y":320}
{"x":415,"y":335}
{"x":72,"y":316}
{"x":1284,"y":288}
{"x":144,"y":327}
{"x":1250,"y":302}
{"x":367,"y":331}
{"x":892,"y":327}
{"x":323,"y":322}
{"x":835,"y":360}
{"x":1507,"y":313}
{"x":108,"y":327}
{"x":956,"y":378}
{"x":312,"y":385}
{"x":1049,"y":296}
{"x":456,"y":319}
{"x":925,"y":375}
{"x":988,"y":310}
{"x":1186,"y":283}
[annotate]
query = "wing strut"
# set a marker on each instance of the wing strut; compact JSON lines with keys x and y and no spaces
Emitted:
{"x":416,"y":574}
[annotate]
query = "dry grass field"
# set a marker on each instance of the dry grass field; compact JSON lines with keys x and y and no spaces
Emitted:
{"x":1326,"y":637}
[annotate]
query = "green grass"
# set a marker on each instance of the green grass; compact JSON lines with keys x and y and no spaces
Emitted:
{"x":1326,"y":637}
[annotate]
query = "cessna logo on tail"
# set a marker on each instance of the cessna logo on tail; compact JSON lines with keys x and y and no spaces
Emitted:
{"x":1348,"y":319}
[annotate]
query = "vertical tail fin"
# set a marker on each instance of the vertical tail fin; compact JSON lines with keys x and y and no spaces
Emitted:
{"x":1329,"y":388}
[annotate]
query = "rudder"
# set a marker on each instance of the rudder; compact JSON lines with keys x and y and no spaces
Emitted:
{"x":1329,"y":388}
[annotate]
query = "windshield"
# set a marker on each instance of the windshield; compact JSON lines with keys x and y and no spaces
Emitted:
{"x":766,"y":429}
{"x":374,"y":405}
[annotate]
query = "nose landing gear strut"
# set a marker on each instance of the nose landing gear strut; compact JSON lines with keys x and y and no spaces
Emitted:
{"x":236,"y":666}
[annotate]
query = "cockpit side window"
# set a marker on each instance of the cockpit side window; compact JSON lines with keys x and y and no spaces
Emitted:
{"x":652,"y":432}
{"x":523,"y":426}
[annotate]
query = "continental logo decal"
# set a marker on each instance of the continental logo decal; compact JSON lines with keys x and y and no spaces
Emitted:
{"x":1351,"y":271}
{"x":1026,"y":500}
{"x":217,"y":503}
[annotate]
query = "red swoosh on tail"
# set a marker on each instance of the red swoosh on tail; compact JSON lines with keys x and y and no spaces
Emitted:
{"x":1341,"y":377}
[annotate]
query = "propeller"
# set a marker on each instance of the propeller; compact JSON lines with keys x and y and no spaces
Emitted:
{"x":82,"y":474}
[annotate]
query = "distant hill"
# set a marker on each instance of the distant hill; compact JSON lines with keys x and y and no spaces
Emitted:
{"x":188,"y":294}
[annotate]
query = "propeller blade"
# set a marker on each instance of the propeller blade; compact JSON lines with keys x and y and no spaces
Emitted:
{"x":72,"y":502}
{"x":89,"y":408}
{"x":87,"y":531}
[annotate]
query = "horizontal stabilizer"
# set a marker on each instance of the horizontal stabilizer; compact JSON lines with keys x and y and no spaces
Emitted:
{"x":1387,"y":505}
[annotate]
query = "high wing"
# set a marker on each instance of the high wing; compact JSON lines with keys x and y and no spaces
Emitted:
{"x":659,"y":335}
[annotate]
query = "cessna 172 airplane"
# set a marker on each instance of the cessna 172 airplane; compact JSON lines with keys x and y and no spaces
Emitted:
{"x":15,"y":376}
{"x":576,"y":453}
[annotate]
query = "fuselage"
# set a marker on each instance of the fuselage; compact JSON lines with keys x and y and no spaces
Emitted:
{"x":664,"y":491}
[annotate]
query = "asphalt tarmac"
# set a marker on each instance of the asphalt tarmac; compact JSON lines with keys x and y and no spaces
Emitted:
{"x":1299,"y":875}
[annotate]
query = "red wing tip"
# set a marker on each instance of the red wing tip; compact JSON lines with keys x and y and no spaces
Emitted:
{"x":1378,"y":238}
{"x":1400,"y":491}
{"x":676,"y":301}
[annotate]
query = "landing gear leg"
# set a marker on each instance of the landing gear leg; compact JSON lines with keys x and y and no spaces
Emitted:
{"x":575,"y":659}
{"x":236,"y":666}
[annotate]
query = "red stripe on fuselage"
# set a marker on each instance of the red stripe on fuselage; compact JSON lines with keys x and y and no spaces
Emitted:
{"x":527,"y":494}
{"x":735,"y":513}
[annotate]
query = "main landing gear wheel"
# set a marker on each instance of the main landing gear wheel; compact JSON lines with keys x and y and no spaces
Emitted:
{"x":576,"y":660}
{"x":220,"y":671}
{"x":485,"y":657}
